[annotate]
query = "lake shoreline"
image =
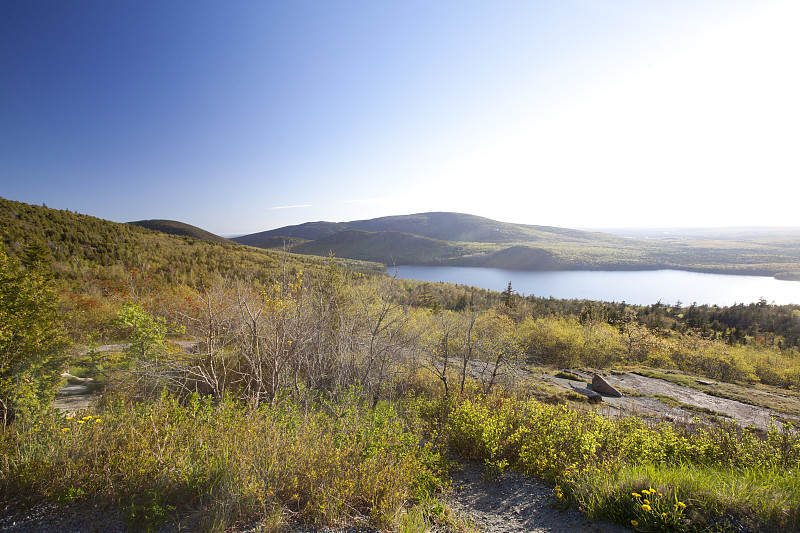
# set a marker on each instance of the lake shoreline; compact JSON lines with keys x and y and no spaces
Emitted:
{"x":734,"y":271}
{"x":640,"y":286}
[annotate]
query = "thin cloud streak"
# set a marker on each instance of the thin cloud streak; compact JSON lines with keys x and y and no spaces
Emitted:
{"x":291,"y":206}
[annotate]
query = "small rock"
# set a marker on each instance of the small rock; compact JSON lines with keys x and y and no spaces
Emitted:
{"x":599,"y":384}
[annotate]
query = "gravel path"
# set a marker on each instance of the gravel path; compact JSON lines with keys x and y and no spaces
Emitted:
{"x":516,"y":504}
{"x":52,"y":518}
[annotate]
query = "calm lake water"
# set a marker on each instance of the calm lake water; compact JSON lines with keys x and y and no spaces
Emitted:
{"x":639,"y":287}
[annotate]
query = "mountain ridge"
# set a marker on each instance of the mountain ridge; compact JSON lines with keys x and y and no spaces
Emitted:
{"x":441,"y":225}
{"x":458,"y":239}
{"x":79,"y":240}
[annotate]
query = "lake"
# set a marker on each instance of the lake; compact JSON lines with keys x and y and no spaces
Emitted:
{"x":642,"y":287}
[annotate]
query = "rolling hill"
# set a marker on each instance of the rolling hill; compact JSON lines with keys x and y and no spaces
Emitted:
{"x":84,"y":248}
{"x":442,"y":226}
{"x":457,"y":239}
{"x":177,"y":250}
{"x":173,"y":227}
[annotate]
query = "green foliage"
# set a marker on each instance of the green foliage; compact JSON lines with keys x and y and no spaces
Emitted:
{"x":607,"y":466}
{"x":565,"y":342}
{"x":167,"y":456}
{"x":91,"y":254}
{"x":147,"y":333}
{"x":31,"y":339}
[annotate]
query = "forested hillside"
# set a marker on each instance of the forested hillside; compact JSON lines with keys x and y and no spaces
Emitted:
{"x":467,"y":240}
{"x":441,"y":226}
{"x":83,"y":246}
{"x":173,"y":227}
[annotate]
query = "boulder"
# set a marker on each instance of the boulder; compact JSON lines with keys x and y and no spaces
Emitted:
{"x":599,"y":384}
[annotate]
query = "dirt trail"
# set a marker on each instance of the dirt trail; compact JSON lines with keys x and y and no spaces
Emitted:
{"x":515,"y":504}
{"x":75,"y":396}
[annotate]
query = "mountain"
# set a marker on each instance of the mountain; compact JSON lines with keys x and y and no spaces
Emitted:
{"x":456,"y":227}
{"x":458,"y":239}
{"x":443,"y":239}
{"x":173,"y":227}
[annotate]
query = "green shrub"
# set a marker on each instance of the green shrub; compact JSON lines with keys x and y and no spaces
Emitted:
{"x":166,"y":457}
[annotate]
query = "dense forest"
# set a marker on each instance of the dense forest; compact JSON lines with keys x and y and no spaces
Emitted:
{"x":266,"y":386}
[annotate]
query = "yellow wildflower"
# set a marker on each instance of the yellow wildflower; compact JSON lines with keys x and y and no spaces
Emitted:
{"x":634,"y":523}
{"x":646,"y":508}
{"x":635,"y":495}
{"x":646,"y":501}
{"x":64,"y":429}
{"x":682,"y":505}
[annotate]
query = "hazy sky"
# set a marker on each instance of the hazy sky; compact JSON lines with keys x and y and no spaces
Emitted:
{"x":243,"y":116}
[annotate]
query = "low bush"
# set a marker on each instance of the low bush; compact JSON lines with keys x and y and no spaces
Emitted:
{"x":653,"y":477}
{"x":167,"y":457}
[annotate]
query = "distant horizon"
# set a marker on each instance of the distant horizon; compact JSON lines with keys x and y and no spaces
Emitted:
{"x":590,"y":229}
{"x":600,"y":229}
{"x":580,"y":228}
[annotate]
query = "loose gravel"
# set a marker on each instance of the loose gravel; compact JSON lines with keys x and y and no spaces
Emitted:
{"x":516,"y":504}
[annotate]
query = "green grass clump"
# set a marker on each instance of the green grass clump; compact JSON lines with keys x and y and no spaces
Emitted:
{"x":223,"y":463}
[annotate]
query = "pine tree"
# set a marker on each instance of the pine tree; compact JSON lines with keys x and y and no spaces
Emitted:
{"x":508,"y":296}
{"x":31,"y":335}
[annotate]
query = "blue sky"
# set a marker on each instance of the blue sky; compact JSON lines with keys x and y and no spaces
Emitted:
{"x":244,"y":116}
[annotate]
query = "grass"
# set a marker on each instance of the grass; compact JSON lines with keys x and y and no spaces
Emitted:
{"x":222,"y":463}
{"x":716,"y":497}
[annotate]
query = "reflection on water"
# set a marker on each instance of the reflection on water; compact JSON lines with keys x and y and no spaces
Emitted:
{"x":638,"y":287}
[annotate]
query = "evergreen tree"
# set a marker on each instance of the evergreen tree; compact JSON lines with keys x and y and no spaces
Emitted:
{"x":31,"y":337}
{"x":508,"y":296}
